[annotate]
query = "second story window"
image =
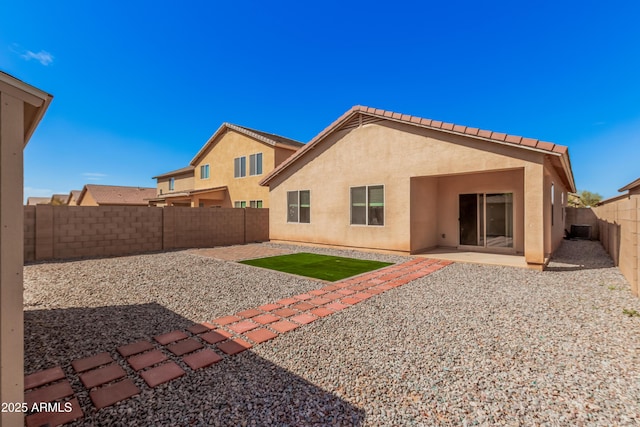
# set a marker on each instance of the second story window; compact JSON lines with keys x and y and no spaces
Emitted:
{"x":240,"y":167}
{"x":172,"y":184}
{"x":204,"y":172}
{"x":255,"y":164}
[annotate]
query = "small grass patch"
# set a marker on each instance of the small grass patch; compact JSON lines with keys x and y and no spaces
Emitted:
{"x":630,"y":313}
{"x":324,"y":267}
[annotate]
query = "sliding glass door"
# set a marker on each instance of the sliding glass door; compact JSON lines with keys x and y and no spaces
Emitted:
{"x":486,"y":220}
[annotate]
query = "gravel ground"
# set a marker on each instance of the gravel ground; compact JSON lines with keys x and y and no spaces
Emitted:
{"x":466,"y":345}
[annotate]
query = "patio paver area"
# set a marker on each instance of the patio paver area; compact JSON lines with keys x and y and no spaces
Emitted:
{"x":201,"y":345}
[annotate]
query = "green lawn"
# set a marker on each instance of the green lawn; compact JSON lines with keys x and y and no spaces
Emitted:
{"x":323,"y":267}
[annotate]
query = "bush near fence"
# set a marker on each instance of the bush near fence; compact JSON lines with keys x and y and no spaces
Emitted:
{"x":67,"y":232}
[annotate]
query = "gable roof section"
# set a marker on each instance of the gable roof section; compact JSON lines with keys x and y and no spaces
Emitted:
{"x":118,"y":195}
{"x":74,"y":195}
{"x":264,"y":137}
{"x":359,"y":115}
{"x":182,"y":171}
{"x":631,"y":186}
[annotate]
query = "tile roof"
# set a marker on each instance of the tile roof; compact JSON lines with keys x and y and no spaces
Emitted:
{"x":188,"y":193}
{"x":498,"y":137}
{"x":188,"y":169}
{"x":119,"y":195}
{"x":74,"y":195}
{"x":631,"y":185}
{"x":267,"y":138}
{"x":32,"y":201}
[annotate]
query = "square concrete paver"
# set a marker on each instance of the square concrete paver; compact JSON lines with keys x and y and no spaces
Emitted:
{"x":202,"y":359}
{"x":49,"y":393}
{"x":197,"y":328}
{"x":134,"y":348}
{"x":102,"y":375}
{"x":55,"y":418}
{"x":266,"y":318}
{"x":213,"y":337}
{"x":304,"y":318}
{"x":317,"y":292}
{"x":283,"y":326}
{"x":319,"y":301}
{"x":43,"y":377}
{"x":287,"y":301}
{"x":303,"y":306}
{"x":260,"y":335}
{"x":81,"y":365}
{"x":269,"y":307}
{"x":144,"y":360}
{"x":113,"y":393}
{"x":350,"y":300}
{"x":321,"y":311}
{"x":225,"y":320}
{"x":336,"y":306}
{"x":303,"y":297}
{"x":243,"y":326}
{"x":285,"y":312}
{"x":234,"y":346}
{"x":162,"y":374}
{"x":170,"y":337}
{"x":185,"y":346}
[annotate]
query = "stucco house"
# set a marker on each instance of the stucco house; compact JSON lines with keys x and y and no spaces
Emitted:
{"x":73,"y":197}
{"x":114,"y":195}
{"x":388,"y":181}
{"x":226,"y":171}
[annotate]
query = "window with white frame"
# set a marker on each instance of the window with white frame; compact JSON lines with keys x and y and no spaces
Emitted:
{"x":255,"y":203}
{"x":172,"y":184}
{"x":255,"y":164}
{"x":367,"y":205}
{"x":299,"y":206}
{"x":204,"y":171}
{"x":239,"y":167}
{"x":240,"y":204}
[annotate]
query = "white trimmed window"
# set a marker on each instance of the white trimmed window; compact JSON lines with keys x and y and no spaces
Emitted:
{"x":240,"y":167}
{"x":204,"y":172}
{"x":299,"y":206}
{"x":240,"y":204}
{"x":367,"y":205}
{"x":172,"y":184}
{"x":255,"y":203}
{"x":255,"y":164}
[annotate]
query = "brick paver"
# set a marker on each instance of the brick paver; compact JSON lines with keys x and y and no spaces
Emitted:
{"x":197,"y":328}
{"x":260,"y":335}
{"x":321,"y":312}
{"x":43,"y":377}
{"x":134,"y":348}
{"x":285,"y":312}
{"x":144,"y":360}
{"x":213,"y":337}
{"x":162,"y":374}
{"x":234,"y":346}
{"x":244,"y":326}
{"x":304,"y":318}
{"x":270,"y":307}
{"x":113,"y":393}
{"x":170,"y":337}
{"x":102,"y":375}
{"x":81,"y":365}
{"x":202,"y":359}
{"x":185,"y":346}
{"x":283,"y":326}
{"x":249,"y":313}
{"x":49,"y":393}
{"x":266,"y":318}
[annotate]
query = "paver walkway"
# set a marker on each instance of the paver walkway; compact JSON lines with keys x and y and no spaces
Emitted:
{"x":182,"y":352}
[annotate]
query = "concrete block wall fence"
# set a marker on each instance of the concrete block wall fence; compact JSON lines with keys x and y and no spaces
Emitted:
{"x":619,"y":223}
{"x":68,"y":232}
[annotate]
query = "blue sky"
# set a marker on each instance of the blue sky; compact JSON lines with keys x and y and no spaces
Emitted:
{"x":140,"y":86}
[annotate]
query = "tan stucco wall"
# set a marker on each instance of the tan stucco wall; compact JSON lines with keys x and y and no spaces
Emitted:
{"x":554,"y":230}
{"x":182,"y":182}
{"x":391,"y":154}
{"x":11,"y":254}
{"x":220,"y":157}
{"x":21,"y":108}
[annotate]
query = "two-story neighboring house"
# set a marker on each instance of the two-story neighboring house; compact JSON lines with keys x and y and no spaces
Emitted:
{"x":226,"y":171}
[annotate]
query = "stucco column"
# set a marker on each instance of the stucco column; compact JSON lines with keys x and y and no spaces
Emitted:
{"x":534,"y":230}
{"x":11,"y":255}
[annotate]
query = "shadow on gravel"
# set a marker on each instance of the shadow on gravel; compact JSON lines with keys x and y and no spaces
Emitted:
{"x":574,"y":255}
{"x":239,"y":390}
